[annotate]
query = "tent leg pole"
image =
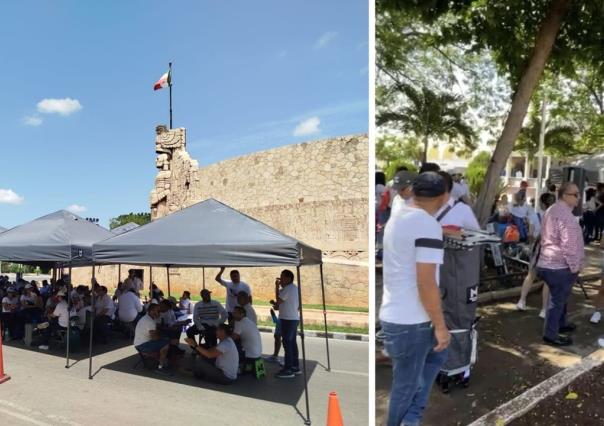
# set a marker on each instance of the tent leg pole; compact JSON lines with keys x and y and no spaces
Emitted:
{"x":92,"y":314}
{"x":119,"y":272}
{"x":307,"y":420}
{"x":168,"y":275}
{"x":68,"y":319}
{"x":150,"y":282}
{"x":204,"y":277}
{"x":325,"y":317}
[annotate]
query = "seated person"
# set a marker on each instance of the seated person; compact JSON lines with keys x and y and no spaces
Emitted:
{"x":217,"y":364}
{"x":82,"y":309}
{"x":208,"y":314}
{"x":184,"y":305}
{"x":156,"y":293}
{"x":247,"y":334}
{"x":58,"y":320}
{"x":168,"y":325}
{"x":30,"y":309}
{"x":130,"y":307}
{"x":10,"y":318}
{"x":243,"y":299}
{"x":147,"y":339}
{"x":104,"y":311}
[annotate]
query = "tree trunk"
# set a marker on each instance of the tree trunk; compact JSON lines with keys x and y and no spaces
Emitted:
{"x":425,"y":153}
{"x":544,"y":43}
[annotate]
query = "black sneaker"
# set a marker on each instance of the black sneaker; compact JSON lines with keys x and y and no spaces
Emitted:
{"x":568,"y":328}
{"x":285,"y":374}
{"x":296,"y":371}
{"x":560,"y":341}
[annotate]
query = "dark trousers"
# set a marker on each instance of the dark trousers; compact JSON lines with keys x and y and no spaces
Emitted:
{"x":101,"y":328}
{"x":50,"y":330}
{"x":208,"y":334}
{"x":560,"y":283}
{"x":289,"y":330}
{"x":12,"y":323}
{"x":206,"y":369}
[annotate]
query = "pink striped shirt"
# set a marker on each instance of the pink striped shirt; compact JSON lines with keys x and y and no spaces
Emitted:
{"x":561,"y":239}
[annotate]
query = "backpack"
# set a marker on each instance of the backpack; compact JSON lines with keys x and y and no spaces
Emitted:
{"x":511,"y":234}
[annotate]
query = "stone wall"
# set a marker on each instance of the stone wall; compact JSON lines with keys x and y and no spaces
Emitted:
{"x":316,"y":192}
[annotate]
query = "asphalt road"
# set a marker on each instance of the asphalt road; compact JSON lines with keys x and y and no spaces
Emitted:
{"x":43,"y":392}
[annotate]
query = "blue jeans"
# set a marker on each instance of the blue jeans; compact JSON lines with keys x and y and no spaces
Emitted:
{"x":415,"y":366}
{"x":560,"y":283}
{"x":289,"y":330}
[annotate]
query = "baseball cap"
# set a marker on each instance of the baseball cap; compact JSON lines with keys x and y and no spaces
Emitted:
{"x":206,"y":291}
{"x":29,"y":286}
{"x":11,"y":290}
{"x":402,"y":179}
{"x":429,"y":185}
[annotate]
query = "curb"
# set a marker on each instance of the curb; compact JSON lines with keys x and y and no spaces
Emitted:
{"x":331,"y":335}
{"x":526,"y":401}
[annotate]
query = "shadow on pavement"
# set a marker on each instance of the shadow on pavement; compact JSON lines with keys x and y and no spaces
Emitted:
{"x":269,"y":388}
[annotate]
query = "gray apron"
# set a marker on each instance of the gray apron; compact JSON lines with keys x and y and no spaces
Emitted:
{"x":459,"y":278}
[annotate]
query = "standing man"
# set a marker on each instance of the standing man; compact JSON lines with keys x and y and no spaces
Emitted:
{"x":562,"y":256}
{"x":288,"y":304}
{"x":416,"y":337}
{"x":132,"y":282}
{"x":233,"y":288}
{"x":401,"y":184}
{"x":208,"y":314}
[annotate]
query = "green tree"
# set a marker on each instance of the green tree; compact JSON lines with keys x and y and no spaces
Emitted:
{"x":138,"y":218}
{"x":428,"y":115}
{"x":390,"y":148}
{"x":524,"y":37}
{"x":559,"y":140}
{"x":477,"y":170}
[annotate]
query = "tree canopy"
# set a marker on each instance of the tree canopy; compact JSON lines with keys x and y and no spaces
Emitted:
{"x":138,"y":218}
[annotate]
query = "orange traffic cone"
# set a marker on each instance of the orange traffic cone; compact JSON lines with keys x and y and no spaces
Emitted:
{"x":3,"y":377}
{"x":334,"y":415}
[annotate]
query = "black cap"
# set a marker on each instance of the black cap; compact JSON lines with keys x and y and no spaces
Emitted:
{"x":402,"y":179}
{"x":429,"y":185}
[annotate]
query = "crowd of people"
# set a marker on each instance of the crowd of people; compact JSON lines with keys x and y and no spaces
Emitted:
{"x":413,"y":214}
{"x":225,"y":339}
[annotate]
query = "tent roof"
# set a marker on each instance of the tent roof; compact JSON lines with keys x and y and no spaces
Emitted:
{"x":124,"y":228}
{"x":208,"y":233}
{"x":2,"y":229}
{"x":57,"y":238}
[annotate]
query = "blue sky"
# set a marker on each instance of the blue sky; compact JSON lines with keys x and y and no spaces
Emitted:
{"x":78,"y":112}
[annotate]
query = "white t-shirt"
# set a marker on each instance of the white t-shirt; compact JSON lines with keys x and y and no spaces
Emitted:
{"x":185,"y":306}
{"x":62,"y":313}
{"x":250,"y":313}
{"x":250,"y":337}
{"x":82,"y":316}
{"x":409,"y":238}
{"x":232,"y":292}
{"x":460,"y":214}
{"x":398,"y":203}
{"x":28,"y":300}
{"x":289,"y":309}
{"x":129,"y":306}
{"x":228,"y":361}
{"x":519,"y":211}
{"x":534,"y":222}
{"x":105,"y":302}
{"x":143,"y":328}
{"x":459,"y":190}
{"x":10,"y":301}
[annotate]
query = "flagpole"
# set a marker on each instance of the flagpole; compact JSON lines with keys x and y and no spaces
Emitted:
{"x":170,"y":87}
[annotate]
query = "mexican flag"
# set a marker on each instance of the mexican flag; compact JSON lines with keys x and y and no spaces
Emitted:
{"x":164,"y":81}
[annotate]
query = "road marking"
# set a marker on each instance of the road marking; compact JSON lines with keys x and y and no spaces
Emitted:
{"x":352,"y":373}
{"x":526,"y":401}
{"x":24,"y":417}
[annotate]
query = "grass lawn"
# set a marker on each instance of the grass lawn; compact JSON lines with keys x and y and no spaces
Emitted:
{"x":320,"y":327}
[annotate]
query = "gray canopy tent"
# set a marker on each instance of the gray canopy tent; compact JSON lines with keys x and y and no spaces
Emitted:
{"x":212,"y":234}
{"x":2,"y":229}
{"x":124,"y":228}
{"x":60,"y":239}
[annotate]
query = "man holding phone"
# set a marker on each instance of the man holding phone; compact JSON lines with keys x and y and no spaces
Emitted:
{"x":288,"y":304}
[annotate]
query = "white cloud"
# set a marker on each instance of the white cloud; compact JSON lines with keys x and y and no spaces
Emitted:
{"x":32,"y":120}
{"x":65,"y":106}
{"x":325,"y":39}
{"x":75,"y":208}
{"x":308,"y":127}
{"x":8,"y":196}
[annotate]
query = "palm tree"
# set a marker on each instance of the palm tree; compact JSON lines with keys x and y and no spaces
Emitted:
{"x":429,"y":116}
{"x":560,"y":139}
